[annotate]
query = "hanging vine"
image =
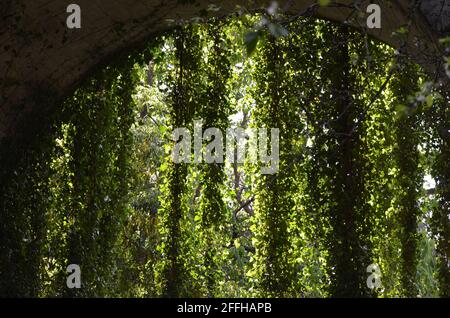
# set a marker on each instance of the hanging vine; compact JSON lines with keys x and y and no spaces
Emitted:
{"x":409,"y":177}
{"x":347,"y":191}
{"x":176,"y":246}
{"x":273,"y":201}
{"x":440,"y":222}
{"x":214,"y":114}
{"x":99,"y":143}
{"x":23,"y":206}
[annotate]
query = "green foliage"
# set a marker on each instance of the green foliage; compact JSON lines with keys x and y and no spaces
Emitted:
{"x":98,"y":142}
{"x":360,"y":128}
{"x":177,"y":271}
{"x":273,"y":203}
{"x":409,"y":179}
{"x":440,"y":221}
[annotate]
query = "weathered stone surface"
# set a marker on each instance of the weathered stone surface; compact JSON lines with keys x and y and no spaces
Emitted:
{"x":437,"y":13}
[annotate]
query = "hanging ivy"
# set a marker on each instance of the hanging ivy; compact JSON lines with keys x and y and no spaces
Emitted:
{"x":409,"y":178}
{"x":23,"y":205}
{"x":214,"y":114}
{"x":360,"y":129}
{"x":273,"y":201}
{"x":99,"y":147}
{"x":174,"y":210}
{"x":440,"y":221}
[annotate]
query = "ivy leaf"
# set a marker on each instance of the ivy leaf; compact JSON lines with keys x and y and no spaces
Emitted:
{"x":162,"y":129}
{"x":163,"y":167}
{"x":214,"y":8}
{"x":402,"y":30}
{"x":277,"y":30}
{"x":324,"y":3}
{"x":430,"y":100}
{"x":251,"y":41}
{"x":445,"y":41}
{"x":401,"y":110}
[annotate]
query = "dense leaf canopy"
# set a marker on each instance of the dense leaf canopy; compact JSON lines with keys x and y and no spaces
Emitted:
{"x":363,"y":177}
